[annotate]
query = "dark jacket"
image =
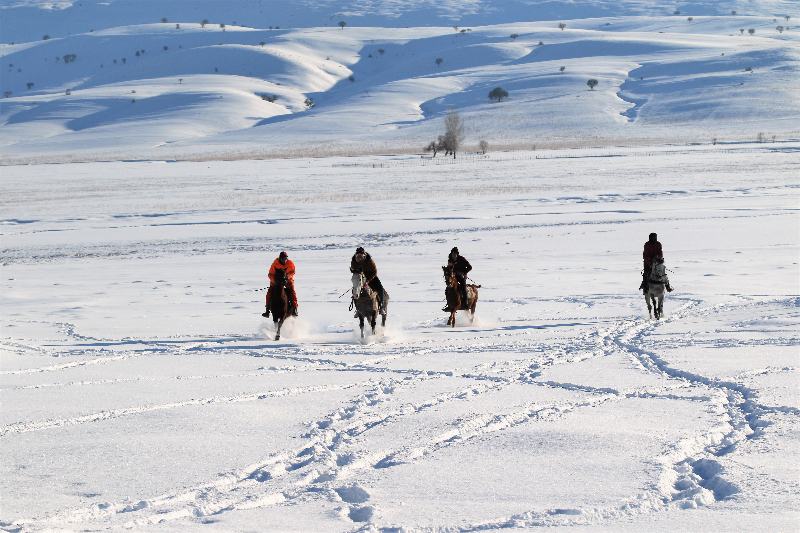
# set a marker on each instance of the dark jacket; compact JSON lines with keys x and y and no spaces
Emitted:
{"x":461,"y":266}
{"x":652,"y":249}
{"x":366,"y":267}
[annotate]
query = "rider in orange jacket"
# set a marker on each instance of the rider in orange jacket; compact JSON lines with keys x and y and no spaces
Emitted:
{"x":282,"y":263}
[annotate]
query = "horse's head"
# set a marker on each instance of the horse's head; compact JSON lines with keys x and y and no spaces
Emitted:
{"x":280,"y":277}
{"x":359,"y":285}
{"x":449,"y":274}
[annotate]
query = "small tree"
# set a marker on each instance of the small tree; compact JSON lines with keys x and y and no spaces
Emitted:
{"x":166,"y":47}
{"x":7,"y":94}
{"x":309,"y":102}
{"x":677,"y":13}
{"x":453,"y":131}
{"x":381,"y":51}
{"x":342,"y":24}
{"x":138,"y":53}
{"x":773,"y":138}
{"x":592,"y":83}
{"x":779,"y":28}
{"x":541,"y":43}
{"x":455,"y":28}
{"x":68,"y":92}
{"x":498,"y":94}
{"x":203,"y":24}
{"x":351,"y":78}
{"x":760,"y":137}
{"x":483,"y":145}
{"x":733,"y":13}
{"x":177,"y":26}
{"x":30,"y":85}
{"x":46,"y":37}
{"x":514,"y":36}
{"x":439,"y":61}
{"x":741,"y":31}
{"x":561,"y":69}
{"x":751,"y":31}
{"x":124,"y":60}
{"x":268,"y":98}
{"x":222,"y":26}
{"x":432,"y":147}
{"x":748,"y":69}
{"x":786,"y":17}
{"x":262,"y":43}
{"x":164,"y":20}
{"x":115,"y":61}
{"x":690,"y":19}
{"x":561,"y":25}
{"x":714,"y":141}
{"x":180,"y":81}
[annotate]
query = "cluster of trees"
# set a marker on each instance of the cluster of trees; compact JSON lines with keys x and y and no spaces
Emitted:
{"x":454,"y":133}
{"x":269,"y":98}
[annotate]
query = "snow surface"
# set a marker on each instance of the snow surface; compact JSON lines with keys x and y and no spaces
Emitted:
{"x":142,"y":390}
{"x":195,"y":92}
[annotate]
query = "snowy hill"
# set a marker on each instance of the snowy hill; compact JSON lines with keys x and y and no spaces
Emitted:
{"x":142,"y":88}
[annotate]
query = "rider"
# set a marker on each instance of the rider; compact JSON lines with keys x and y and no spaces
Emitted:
{"x":461,"y":267}
{"x":282,"y":263}
{"x":363,"y":263}
{"x":652,"y":250}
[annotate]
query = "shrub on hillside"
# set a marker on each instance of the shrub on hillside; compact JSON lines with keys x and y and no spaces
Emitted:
{"x":46,"y":37}
{"x":592,"y":83}
{"x":309,"y":102}
{"x":439,"y":61}
{"x":7,"y":94}
{"x":269,"y":98}
{"x":498,"y":94}
{"x":30,"y":85}
{"x":203,"y":24}
{"x":514,"y":36}
{"x":561,"y":69}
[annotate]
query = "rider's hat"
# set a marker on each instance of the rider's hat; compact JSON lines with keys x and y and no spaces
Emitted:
{"x":454,"y":250}
{"x":359,"y":250}
{"x":653,"y":237}
{"x":284,"y":254}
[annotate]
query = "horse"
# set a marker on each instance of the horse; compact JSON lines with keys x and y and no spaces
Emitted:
{"x":453,"y":298}
{"x":656,"y":283}
{"x":365,"y":301}
{"x":279,"y":302}
{"x":655,"y":293}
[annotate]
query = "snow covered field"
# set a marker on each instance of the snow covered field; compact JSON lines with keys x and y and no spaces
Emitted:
{"x":141,"y":389}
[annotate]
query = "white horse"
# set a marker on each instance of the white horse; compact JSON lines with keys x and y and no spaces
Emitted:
{"x":657,"y":281}
{"x":655,"y":293}
{"x":365,"y":301}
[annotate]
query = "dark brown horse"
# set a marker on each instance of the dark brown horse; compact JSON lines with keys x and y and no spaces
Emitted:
{"x":454,"y":302}
{"x":279,"y":302}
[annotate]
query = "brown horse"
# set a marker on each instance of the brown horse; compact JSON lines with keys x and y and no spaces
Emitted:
{"x":279,"y":302}
{"x":454,"y":302}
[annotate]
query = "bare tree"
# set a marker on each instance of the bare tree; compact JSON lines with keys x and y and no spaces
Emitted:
{"x":561,"y":25}
{"x":432,"y":147}
{"x":453,"y":131}
{"x":30,"y":85}
{"x":483,"y":145}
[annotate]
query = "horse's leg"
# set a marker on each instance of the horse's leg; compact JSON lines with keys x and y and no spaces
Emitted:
{"x":649,"y":309}
{"x":372,"y":320}
{"x":452,"y":318}
{"x":361,"y":324}
{"x":661,"y":305}
{"x":278,"y":329}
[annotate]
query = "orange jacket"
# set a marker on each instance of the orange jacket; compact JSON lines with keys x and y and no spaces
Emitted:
{"x":288,"y":267}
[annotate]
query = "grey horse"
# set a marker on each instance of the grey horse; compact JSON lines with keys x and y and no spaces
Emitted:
{"x":365,"y":301}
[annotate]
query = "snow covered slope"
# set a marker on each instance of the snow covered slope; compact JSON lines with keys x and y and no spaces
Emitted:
{"x":140,"y":88}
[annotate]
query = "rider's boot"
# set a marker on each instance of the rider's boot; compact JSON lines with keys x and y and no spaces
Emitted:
{"x":265,"y":314}
{"x":294,"y":309}
{"x":669,"y":287}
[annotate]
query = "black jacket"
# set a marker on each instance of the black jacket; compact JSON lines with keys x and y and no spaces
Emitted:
{"x":461,"y":266}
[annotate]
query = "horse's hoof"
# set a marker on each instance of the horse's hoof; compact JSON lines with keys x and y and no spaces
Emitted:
{"x":277,"y":337}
